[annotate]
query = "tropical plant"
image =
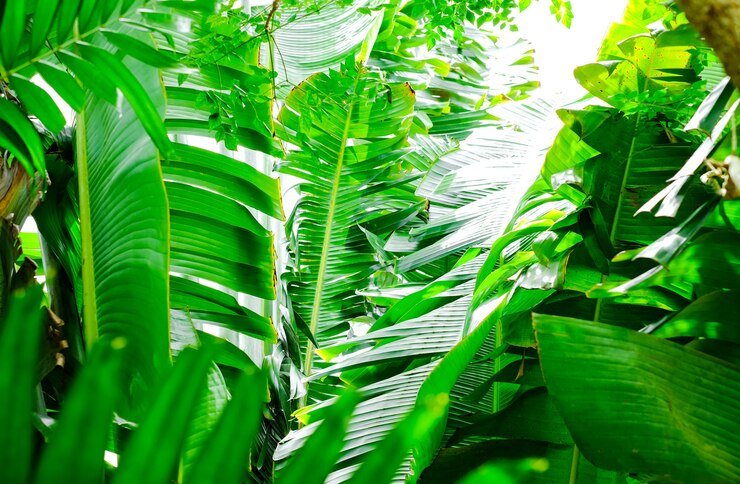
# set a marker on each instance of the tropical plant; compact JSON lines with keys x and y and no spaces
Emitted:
{"x":456,"y":281}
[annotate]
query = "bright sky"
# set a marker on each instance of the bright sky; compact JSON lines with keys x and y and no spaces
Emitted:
{"x":559,"y":50}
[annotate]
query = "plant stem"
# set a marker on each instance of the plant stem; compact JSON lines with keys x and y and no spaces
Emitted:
{"x":89,"y":300}
{"x":574,"y":465}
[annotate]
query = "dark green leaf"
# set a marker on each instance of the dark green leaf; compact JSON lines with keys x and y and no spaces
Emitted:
{"x":20,"y":334}
{"x":154,"y":450}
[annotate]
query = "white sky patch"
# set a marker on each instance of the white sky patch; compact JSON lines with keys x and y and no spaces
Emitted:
{"x":559,"y":50}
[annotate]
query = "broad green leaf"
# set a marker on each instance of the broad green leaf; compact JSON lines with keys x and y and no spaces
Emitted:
{"x":209,"y":235}
{"x":427,"y":323}
{"x":306,"y":44}
{"x":636,"y":403}
{"x":222,"y":174}
{"x":20,"y":335}
{"x":124,"y":228}
{"x":698,"y":264}
{"x":215,"y":234}
{"x":638,"y":17}
{"x":208,"y":305}
{"x":101,"y":86}
{"x":226,"y":353}
{"x":212,"y":401}
{"x":646,"y":62}
{"x":634,"y":155}
{"x":667,"y":246}
{"x":153,"y":453}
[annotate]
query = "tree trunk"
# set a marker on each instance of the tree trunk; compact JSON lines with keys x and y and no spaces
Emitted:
{"x":719,"y":22}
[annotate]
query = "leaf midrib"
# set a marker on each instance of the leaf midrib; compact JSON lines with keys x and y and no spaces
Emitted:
{"x":316,"y":309}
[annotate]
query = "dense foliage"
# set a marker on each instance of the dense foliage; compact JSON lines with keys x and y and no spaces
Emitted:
{"x":458,"y":280}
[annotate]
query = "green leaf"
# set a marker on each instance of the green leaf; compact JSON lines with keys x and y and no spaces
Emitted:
{"x":531,"y":416}
{"x":72,"y":455}
{"x":206,"y":304}
{"x":645,"y":63}
{"x":140,"y":50}
{"x":671,"y":197}
{"x":710,"y":316}
{"x":307,"y":44}
{"x":66,"y":16}
{"x":124,"y":229}
{"x":315,"y":459}
{"x":226,"y":452}
{"x":19,"y":136}
{"x":11,"y":31}
{"x":101,"y":86}
{"x":355,"y":131}
{"x":226,"y":353}
{"x":555,"y":463}
{"x":637,"y":403}
{"x":383,"y":462}
{"x":138,"y":97}
{"x":222,"y":174}
{"x":20,"y":335}
{"x":211,"y":403}
{"x":506,"y":472}
{"x":89,"y":14}
{"x":63,"y":83}
{"x":710,"y":111}
{"x":42,"y":21}
{"x":154,"y":450}
{"x":39,"y":103}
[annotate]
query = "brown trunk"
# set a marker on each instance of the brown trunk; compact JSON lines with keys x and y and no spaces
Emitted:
{"x":719,"y":22}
